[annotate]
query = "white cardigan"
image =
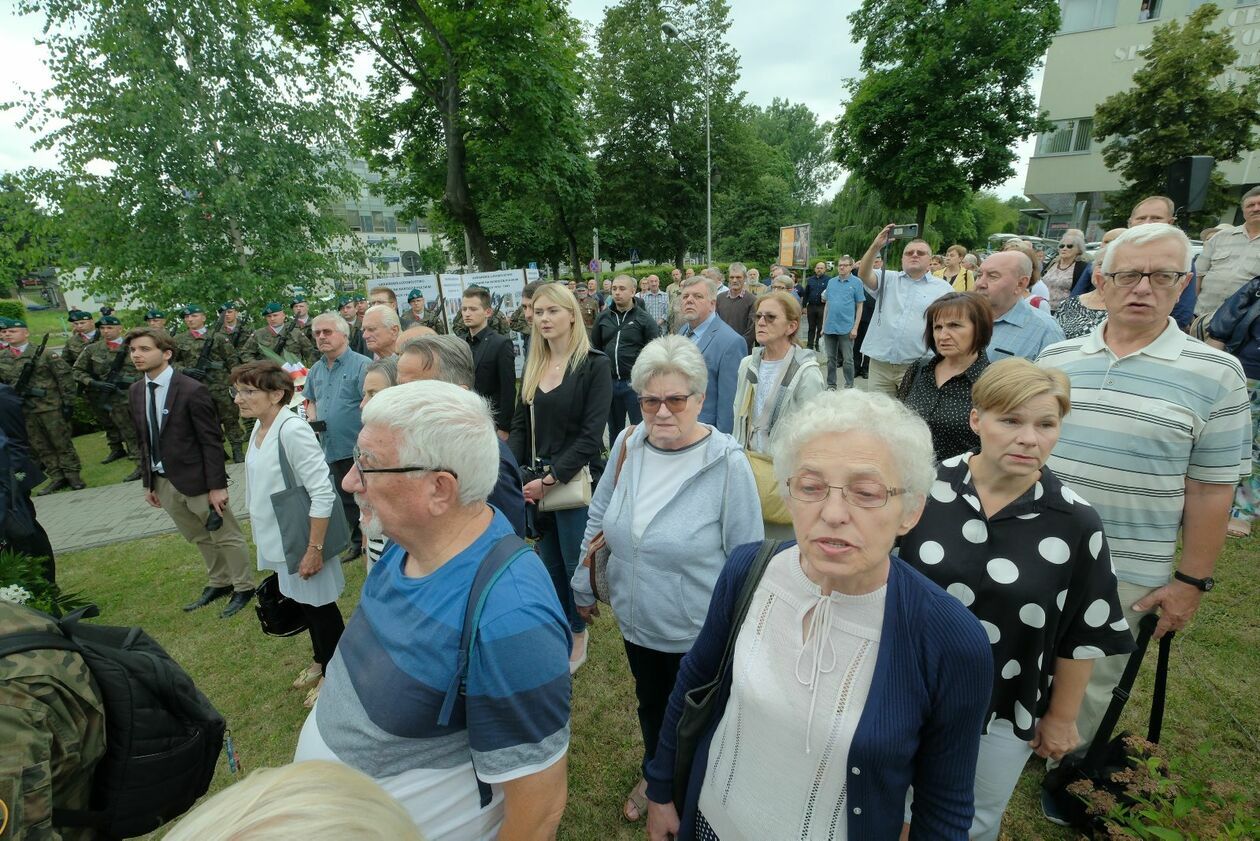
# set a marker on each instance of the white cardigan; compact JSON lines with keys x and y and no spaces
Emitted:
{"x":264,"y":479}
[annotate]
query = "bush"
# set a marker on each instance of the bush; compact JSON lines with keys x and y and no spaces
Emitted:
{"x":10,"y":308}
{"x":22,"y":581}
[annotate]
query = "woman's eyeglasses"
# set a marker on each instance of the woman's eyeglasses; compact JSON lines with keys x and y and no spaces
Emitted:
{"x":865,"y":493}
{"x":674,"y":402}
{"x":767,"y":317}
{"x":247,"y":393}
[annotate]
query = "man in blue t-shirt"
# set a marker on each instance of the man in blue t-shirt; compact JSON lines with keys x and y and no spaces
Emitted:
{"x":843,"y":301}
{"x":425,"y":463}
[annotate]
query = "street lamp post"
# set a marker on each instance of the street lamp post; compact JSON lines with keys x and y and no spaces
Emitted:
{"x":671,"y":31}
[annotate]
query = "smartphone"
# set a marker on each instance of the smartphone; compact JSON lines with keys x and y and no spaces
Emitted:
{"x":905,"y":231}
{"x":215,"y":521}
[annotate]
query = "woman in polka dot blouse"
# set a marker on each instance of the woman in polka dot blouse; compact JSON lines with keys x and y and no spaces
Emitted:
{"x":1028,"y":557}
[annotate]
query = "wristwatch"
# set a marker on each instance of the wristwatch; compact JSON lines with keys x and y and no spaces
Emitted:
{"x":318,"y":547}
{"x":1203,"y":584}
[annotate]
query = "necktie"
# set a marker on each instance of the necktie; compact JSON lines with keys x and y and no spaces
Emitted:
{"x":155,"y":452}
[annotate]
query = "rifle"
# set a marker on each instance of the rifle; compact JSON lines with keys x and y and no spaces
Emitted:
{"x":113,"y":382}
{"x":23,"y":385}
{"x":284,"y":338}
{"x":200,"y":371}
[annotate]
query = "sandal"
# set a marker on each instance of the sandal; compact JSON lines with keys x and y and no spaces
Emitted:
{"x":636,"y":801}
{"x":1239,"y":528}
{"x":578,"y":655}
{"x":312,"y":696}
{"x":309,"y":676}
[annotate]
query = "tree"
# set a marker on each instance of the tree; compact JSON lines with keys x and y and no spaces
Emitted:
{"x":1181,"y":103}
{"x":972,"y":57}
{"x":750,"y":219}
{"x":648,"y":95}
{"x":793,"y":130}
{"x":196,"y":150}
{"x":469,"y":103}
{"x":27,"y":240}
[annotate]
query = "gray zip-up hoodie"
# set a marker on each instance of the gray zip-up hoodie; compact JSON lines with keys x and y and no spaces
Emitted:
{"x":660,"y":584}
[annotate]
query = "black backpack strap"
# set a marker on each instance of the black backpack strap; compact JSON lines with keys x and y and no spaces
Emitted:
{"x":507,"y":549}
{"x":35,"y":641}
{"x":1156,"y":722}
{"x":1120,"y":695}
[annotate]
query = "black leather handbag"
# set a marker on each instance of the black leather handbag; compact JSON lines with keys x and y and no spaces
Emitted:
{"x":279,"y":615}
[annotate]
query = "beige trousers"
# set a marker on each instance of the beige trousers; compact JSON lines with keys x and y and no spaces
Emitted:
{"x":224,"y":550}
{"x":884,"y":377}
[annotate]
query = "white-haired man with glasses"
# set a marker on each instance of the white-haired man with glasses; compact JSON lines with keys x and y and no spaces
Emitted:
{"x":475,"y":747}
{"x":1158,"y":435}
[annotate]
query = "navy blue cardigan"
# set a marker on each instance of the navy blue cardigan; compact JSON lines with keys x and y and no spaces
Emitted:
{"x":921,"y":724}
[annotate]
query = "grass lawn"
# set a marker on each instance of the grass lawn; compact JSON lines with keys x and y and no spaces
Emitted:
{"x":48,"y":321}
{"x":1214,"y":689}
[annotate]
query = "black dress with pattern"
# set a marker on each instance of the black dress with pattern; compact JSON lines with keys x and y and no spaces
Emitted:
{"x":947,"y":409}
{"x":1037,"y":574}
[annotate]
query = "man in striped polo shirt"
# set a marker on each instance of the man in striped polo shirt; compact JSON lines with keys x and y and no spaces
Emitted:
{"x":1158,"y":435}
{"x":426,"y":461}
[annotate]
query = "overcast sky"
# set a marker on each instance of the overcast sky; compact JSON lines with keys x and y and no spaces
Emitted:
{"x":767,"y":36}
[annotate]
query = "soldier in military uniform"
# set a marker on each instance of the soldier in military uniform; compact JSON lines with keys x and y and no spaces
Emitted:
{"x":269,"y":337}
{"x":302,"y":316}
{"x":48,"y":403}
{"x":213,"y":373}
{"x":5,"y":324}
{"x":498,"y":322}
{"x":82,"y":334}
{"x":348,"y":310}
{"x":53,"y":721}
{"x":419,"y":314}
{"x":156,"y":319}
{"x":588,"y":306}
{"x":233,"y":328}
{"x":104,"y":373}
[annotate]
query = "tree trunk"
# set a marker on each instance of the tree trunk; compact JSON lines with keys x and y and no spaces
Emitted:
{"x":456,"y":198}
{"x":575,"y":260}
{"x":921,"y":218}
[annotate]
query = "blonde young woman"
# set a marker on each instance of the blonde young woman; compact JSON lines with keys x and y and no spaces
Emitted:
{"x":557,"y":431}
{"x":775,"y":380}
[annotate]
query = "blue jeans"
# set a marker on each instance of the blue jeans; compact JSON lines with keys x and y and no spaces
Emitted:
{"x":558,"y":547}
{"x":839,"y":353}
{"x":624,"y":402}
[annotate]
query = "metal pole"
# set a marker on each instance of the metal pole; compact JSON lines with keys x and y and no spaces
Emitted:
{"x":708,"y":197}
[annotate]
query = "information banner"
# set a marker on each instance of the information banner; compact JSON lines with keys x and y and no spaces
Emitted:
{"x":505,"y":296}
{"x":401,"y":286}
{"x":794,"y":246}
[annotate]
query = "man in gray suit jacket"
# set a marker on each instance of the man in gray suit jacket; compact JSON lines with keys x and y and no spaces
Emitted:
{"x":723,"y":349}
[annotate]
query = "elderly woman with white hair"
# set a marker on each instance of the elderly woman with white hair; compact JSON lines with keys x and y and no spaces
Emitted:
{"x":842,"y":677}
{"x":1063,"y":273}
{"x":669,"y":477}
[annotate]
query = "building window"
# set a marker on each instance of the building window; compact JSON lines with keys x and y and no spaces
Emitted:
{"x":1067,"y":137}
{"x":1149,"y":10}
{"x":365,"y":223}
{"x":391,"y":225}
{"x":1081,"y":15}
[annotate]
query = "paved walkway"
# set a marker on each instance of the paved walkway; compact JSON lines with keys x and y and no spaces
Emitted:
{"x":99,"y":516}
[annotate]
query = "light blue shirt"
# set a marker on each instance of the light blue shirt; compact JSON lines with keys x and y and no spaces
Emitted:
{"x":1023,"y":331}
{"x":896,"y":332}
{"x":698,"y":333}
{"x":842,"y":296}
{"x":337,"y":393}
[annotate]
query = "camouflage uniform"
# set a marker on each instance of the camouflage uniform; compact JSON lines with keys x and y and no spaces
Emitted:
{"x":675,"y":306}
{"x":53,"y":723}
{"x":51,"y":437}
{"x":237,"y":338}
{"x":431,"y":319}
{"x":95,"y":364}
{"x":74,"y":348}
{"x":497,"y":320}
{"x":222,"y":359}
{"x":297,"y":344}
{"x":589,"y":307}
{"x":517,"y":323}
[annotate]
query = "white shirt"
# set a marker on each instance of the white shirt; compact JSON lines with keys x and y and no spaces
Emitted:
{"x":661,"y":474}
{"x":163,"y":381}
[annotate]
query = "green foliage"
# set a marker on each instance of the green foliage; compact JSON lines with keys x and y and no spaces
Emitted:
{"x":21,"y":570}
{"x":975,"y":58}
{"x":10,"y":308}
{"x":1182,"y":102}
{"x":195,"y":150}
{"x":794,"y":132}
{"x":27,"y":239}
{"x":749,"y":219}
{"x":1163,"y":800}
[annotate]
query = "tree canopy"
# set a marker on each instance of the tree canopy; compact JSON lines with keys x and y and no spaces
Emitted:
{"x":1182,"y":103}
{"x":195,"y":149}
{"x":945,"y":95}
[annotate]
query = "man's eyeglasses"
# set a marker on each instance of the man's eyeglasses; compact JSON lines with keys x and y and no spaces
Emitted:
{"x":1162,"y":280}
{"x":865,"y":493}
{"x":674,"y":402}
{"x":357,"y":457}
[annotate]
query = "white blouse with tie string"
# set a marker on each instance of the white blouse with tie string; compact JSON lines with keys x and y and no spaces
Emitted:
{"x":802,"y":671}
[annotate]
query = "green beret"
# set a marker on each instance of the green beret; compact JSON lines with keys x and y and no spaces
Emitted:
{"x":5,"y":322}
{"x":154,"y":313}
{"x":271,"y":307}
{"x":227,"y":305}
{"x":80,"y":315}
{"x":360,"y":297}
{"x":107,"y":310}
{"x":192,"y":309}
{"x":344,"y":301}
{"x":414,"y":294}
{"x":108,"y":321}
{"x":298,"y":299}
{"x":16,"y":322}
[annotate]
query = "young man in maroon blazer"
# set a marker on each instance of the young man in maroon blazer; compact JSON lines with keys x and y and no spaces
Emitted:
{"x":185,"y":472}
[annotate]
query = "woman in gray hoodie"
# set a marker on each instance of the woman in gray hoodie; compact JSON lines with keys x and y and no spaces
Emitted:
{"x":682,"y":499}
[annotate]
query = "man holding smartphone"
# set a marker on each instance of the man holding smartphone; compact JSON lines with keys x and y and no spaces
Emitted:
{"x":895,"y":337}
{"x":184,"y":467}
